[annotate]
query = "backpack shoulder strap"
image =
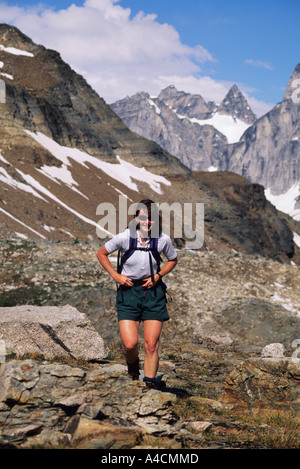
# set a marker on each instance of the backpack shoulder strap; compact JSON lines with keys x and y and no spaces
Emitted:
{"x":154,"y":251}
{"x":127,"y":254}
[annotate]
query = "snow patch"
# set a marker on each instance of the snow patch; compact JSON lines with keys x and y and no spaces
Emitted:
{"x":61,"y":174}
{"x":67,"y":232}
{"x":32,"y":182}
{"x":7,"y":179}
{"x":21,"y":223}
{"x":296,"y":239}
{"x":123,"y":171}
{"x":286,"y":202}
{"x":14,"y":51}
{"x":48,"y":228}
{"x":152,"y":103}
{"x":232,"y":128}
{"x":3,"y":159}
{"x":286,"y":303}
{"x":7,"y":75}
{"x":21,"y":235}
{"x":120,"y":192}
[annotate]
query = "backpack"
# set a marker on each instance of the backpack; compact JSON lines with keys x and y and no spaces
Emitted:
{"x":152,"y":249}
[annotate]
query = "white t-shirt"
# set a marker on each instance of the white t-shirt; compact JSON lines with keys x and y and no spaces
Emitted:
{"x":137,"y":265}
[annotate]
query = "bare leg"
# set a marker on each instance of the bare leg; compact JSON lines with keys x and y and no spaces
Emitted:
{"x":130,"y":338}
{"x":152,"y":330}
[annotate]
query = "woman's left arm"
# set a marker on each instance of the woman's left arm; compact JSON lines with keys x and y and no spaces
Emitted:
{"x":169,"y":265}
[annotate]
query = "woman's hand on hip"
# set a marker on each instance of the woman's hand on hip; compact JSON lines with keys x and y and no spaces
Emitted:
{"x":123,"y":280}
{"x":148,"y":281}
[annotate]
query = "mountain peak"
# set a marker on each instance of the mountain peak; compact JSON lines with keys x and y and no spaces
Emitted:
{"x":292,"y":87}
{"x":186,"y":104}
{"x":170,"y":92}
{"x":12,"y":36}
{"x":235,"y":104}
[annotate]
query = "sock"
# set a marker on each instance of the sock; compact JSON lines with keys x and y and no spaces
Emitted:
{"x":152,"y":380}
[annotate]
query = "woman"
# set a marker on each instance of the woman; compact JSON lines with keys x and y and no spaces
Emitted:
{"x":141,"y":294}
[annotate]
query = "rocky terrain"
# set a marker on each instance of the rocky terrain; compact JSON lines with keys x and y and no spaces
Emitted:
{"x":222,"y":387}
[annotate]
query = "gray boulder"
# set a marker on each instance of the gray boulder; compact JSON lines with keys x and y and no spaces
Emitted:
{"x":51,"y":331}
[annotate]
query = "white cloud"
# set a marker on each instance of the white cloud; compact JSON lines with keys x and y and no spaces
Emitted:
{"x":258,"y":107}
{"x":118,"y":54}
{"x":259,"y":64}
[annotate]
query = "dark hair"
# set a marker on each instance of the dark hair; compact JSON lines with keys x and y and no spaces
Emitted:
{"x":153,"y":212}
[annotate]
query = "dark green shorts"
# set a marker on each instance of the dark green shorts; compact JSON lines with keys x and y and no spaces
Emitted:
{"x":138,"y":303}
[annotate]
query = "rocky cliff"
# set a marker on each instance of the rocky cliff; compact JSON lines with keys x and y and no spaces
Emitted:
{"x":184,"y":124}
{"x":268,"y":152}
{"x":270,"y":147}
{"x":252,"y":404}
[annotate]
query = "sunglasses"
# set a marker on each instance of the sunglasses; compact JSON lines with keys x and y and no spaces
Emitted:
{"x":144,"y":218}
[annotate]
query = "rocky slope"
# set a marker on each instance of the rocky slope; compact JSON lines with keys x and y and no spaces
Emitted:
{"x":222,"y":387}
{"x":185,"y":125}
{"x":63,"y":152}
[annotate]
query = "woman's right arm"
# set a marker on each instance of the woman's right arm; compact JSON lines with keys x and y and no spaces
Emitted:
{"x":102,"y":256}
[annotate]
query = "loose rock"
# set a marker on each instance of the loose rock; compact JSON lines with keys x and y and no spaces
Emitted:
{"x":273,"y":351}
{"x":51,"y":331}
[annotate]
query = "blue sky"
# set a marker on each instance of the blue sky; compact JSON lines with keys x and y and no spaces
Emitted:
{"x":254,"y":42}
{"x":200,"y":46}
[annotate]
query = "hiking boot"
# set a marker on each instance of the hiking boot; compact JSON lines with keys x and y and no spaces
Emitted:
{"x":154,"y":383}
{"x":151,"y":383}
{"x":134,"y":370}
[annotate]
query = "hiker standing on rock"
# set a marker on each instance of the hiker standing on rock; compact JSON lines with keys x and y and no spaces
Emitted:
{"x":141,"y":292}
